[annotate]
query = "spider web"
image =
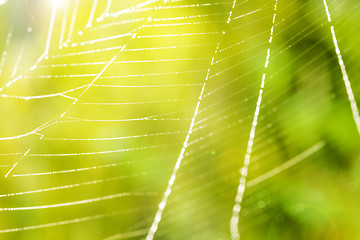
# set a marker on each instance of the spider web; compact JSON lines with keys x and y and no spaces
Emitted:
{"x":140,"y":119}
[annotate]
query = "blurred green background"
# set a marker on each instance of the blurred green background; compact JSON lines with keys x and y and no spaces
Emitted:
{"x":99,"y":154}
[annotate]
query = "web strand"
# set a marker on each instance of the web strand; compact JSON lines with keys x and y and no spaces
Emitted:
{"x":235,"y":235}
{"x":162,"y":204}
{"x":349,"y":91}
{"x":75,"y":100}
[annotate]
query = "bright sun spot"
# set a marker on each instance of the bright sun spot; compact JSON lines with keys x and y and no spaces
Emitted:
{"x":57,"y":2}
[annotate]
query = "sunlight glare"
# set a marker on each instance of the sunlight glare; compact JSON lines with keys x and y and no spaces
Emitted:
{"x":57,"y":2}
